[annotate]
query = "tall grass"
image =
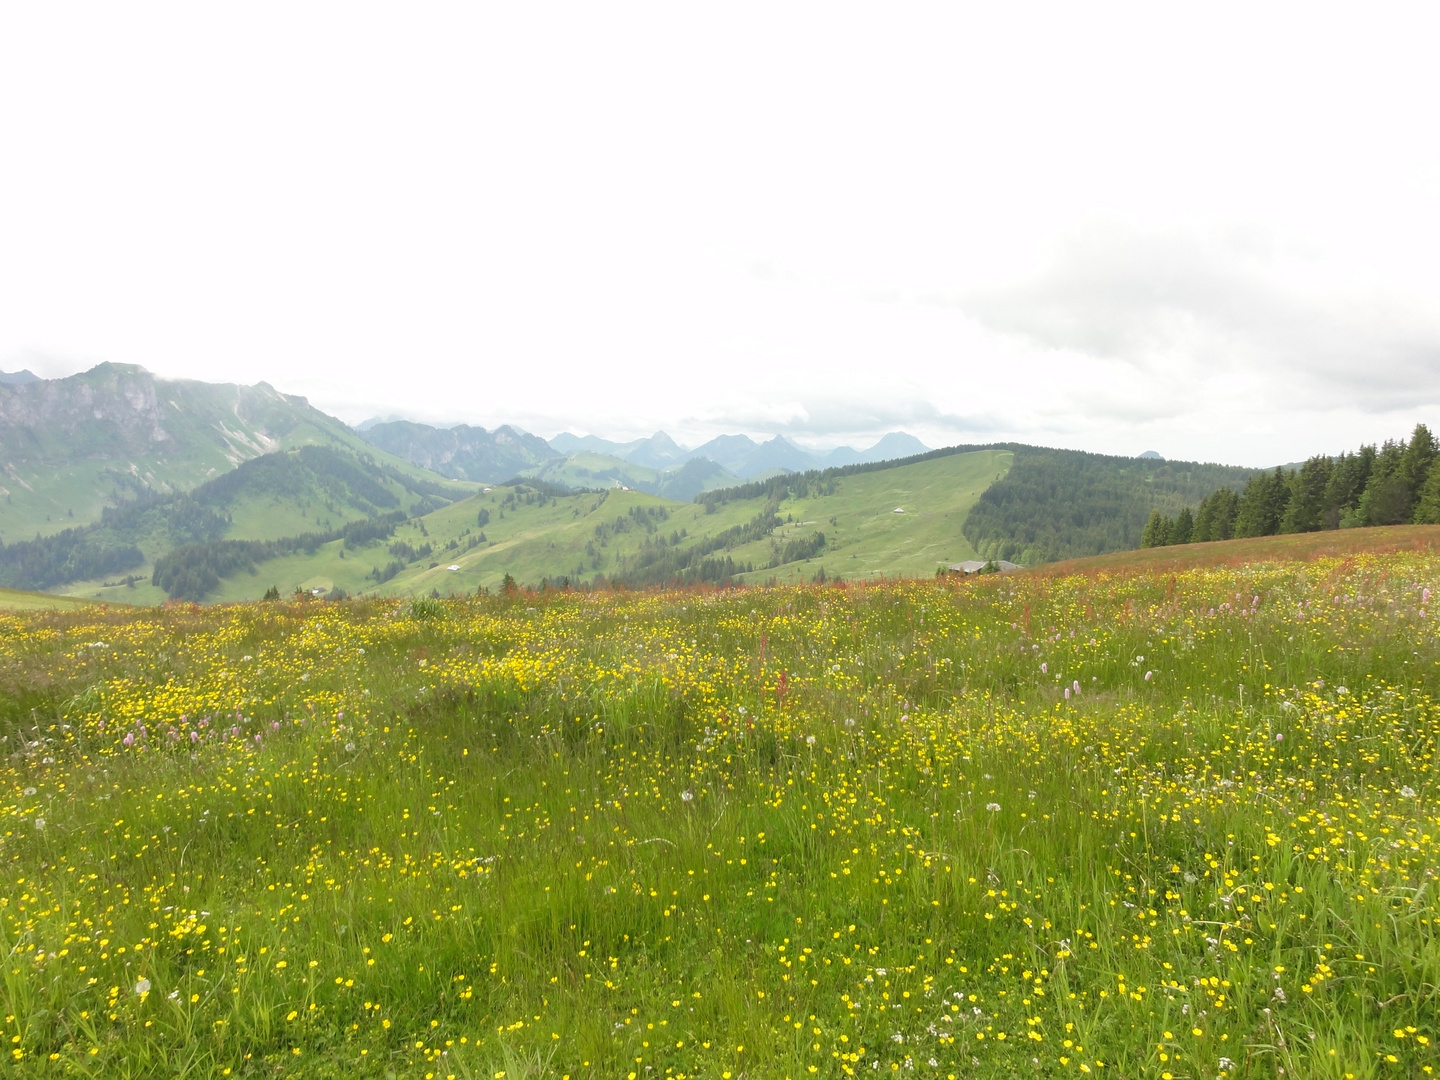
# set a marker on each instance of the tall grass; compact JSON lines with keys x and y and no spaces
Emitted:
{"x":788,"y":832}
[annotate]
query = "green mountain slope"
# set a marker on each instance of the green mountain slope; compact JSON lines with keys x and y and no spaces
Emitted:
{"x":70,"y":447}
{"x":535,"y":534}
{"x":298,"y":499}
{"x":1066,"y":504}
{"x":587,"y":469}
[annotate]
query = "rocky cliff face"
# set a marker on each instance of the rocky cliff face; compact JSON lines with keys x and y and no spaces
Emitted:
{"x":462,"y":452}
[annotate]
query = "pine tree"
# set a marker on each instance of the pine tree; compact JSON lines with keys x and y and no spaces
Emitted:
{"x":1306,"y":510}
{"x":1387,"y":499}
{"x":1157,"y":530}
{"x":1262,"y":504}
{"x":1418,"y":461}
{"x":1184,"y":527}
{"x":1427,"y":506}
{"x":1348,"y":477}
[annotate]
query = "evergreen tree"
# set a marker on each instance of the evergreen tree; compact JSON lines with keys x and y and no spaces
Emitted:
{"x":1215,"y":520}
{"x":1306,"y":510}
{"x":1386,"y":500}
{"x":1262,"y":504}
{"x":1157,"y":530}
{"x":1427,"y":506}
{"x":1184,"y":527}
{"x":1348,"y":477}
{"x":1418,"y":461}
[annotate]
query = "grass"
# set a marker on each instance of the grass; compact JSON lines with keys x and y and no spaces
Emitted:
{"x":1131,"y":823}
{"x":1289,"y":547}
{"x":18,"y":600}
{"x":575,"y":536}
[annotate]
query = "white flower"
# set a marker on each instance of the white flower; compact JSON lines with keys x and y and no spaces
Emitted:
{"x":142,"y":986}
{"x":39,"y":823}
{"x":809,"y":740}
{"x":1407,"y":792}
{"x":687,"y":796}
{"x":29,"y":791}
{"x":993,"y":807}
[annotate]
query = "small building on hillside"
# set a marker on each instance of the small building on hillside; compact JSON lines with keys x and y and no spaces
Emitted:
{"x":974,"y":566}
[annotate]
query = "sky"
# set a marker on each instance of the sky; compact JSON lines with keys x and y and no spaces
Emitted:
{"x":1210,"y":231}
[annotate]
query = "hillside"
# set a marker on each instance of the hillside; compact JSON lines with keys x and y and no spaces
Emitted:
{"x":846,"y":525}
{"x":18,"y":600}
{"x":291,"y":500}
{"x":1065,"y":504}
{"x":70,"y":447}
{"x":1257,"y":551}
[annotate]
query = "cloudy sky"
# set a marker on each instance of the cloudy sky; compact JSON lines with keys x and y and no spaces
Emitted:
{"x":1213,"y":233}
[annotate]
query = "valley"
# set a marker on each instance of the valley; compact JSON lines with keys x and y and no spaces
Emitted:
{"x":537,"y":534}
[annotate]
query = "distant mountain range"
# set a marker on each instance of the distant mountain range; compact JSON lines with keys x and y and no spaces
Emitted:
{"x":739,"y":455}
{"x":472,"y":453}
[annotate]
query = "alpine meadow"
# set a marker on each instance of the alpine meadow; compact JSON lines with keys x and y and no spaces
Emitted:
{"x":1123,"y":820}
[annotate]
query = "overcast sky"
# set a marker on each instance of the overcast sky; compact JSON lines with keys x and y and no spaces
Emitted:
{"x":1215,"y":234}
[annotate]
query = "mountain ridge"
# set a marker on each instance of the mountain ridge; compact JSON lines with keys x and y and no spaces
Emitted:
{"x":71,"y":447}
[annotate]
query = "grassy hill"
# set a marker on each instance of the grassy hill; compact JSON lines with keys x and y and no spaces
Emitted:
{"x":535,"y":534}
{"x":298,"y":499}
{"x":19,"y":600}
{"x":1290,"y":547}
{"x":71,"y":447}
{"x":1066,"y":504}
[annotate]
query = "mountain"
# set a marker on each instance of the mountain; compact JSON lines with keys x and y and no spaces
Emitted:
{"x":281,"y":502}
{"x":69,"y":447}
{"x":738,"y":454}
{"x":590,"y":471}
{"x":897,"y":444}
{"x":462,"y":452}
{"x":566,"y":444}
{"x":778,"y":453}
{"x":733,"y":452}
{"x":18,"y":378}
{"x":787,"y":529}
{"x":658,"y":451}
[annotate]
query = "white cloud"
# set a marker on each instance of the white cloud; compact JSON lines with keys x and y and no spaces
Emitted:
{"x":627,"y":218}
{"x":1184,"y":310}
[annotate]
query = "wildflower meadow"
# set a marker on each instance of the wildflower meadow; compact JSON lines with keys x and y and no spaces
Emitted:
{"x":1127,"y":824}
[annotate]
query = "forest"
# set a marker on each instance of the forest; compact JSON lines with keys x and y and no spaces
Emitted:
{"x":1396,"y":484}
{"x":1067,"y":504}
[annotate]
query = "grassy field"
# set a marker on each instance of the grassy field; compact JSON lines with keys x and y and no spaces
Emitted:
{"x":1290,"y":547}
{"x":585,"y":536}
{"x":16,"y":600}
{"x":1129,"y":823}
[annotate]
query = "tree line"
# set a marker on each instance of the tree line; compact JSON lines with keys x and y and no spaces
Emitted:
{"x":1394,"y":484}
{"x":1066,"y":504}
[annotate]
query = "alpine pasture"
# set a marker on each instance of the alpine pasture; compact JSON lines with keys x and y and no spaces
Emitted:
{"x":1132,"y":823}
